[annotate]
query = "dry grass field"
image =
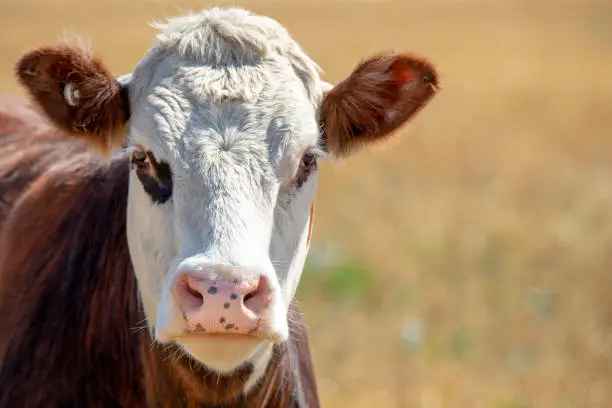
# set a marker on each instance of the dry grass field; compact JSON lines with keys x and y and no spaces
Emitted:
{"x":468,"y":264}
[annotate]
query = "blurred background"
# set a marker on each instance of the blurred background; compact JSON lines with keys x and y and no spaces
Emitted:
{"x":468,"y":262}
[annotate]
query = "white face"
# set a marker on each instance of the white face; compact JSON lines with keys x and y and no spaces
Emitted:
{"x":223,"y":181}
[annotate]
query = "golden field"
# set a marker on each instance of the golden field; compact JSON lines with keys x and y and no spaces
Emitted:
{"x":468,"y":263}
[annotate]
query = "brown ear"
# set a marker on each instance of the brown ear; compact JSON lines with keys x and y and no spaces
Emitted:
{"x":381,"y":94}
{"x":77,"y":93}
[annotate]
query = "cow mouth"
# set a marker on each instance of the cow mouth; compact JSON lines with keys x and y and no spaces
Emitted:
{"x":253,"y":335}
{"x":218,"y":336}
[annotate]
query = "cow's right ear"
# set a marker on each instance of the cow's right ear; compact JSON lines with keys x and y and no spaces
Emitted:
{"x":77,"y":93}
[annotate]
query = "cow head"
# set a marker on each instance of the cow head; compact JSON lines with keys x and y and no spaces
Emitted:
{"x":225,"y":120}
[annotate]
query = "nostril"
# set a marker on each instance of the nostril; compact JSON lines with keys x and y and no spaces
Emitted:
{"x":257,"y":300}
{"x":190,"y":297}
{"x":194,"y":293}
{"x":249,"y":296}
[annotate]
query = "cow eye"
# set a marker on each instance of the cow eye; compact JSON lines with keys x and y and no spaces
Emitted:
{"x":155,"y":176}
{"x":308,"y":164}
{"x":309,"y":159}
{"x":140,"y":159}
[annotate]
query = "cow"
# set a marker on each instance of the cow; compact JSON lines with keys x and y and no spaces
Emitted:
{"x":154,"y":226}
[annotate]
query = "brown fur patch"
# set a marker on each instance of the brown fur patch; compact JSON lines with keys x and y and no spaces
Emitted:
{"x":101,"y":110}
{"x":69,"y":309}
{"x":381,"y":94}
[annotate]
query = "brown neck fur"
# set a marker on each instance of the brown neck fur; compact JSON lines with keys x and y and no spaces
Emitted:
{"x":69,"y":310}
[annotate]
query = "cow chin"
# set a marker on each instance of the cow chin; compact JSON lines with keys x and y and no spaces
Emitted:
{"x":222,"y":354}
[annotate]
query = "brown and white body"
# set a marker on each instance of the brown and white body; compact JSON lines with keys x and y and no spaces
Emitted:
{"x":163,"y":272}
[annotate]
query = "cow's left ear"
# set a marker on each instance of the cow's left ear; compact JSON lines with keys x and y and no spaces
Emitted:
{"x":77,"y":93}
{"x":382,"y":93}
